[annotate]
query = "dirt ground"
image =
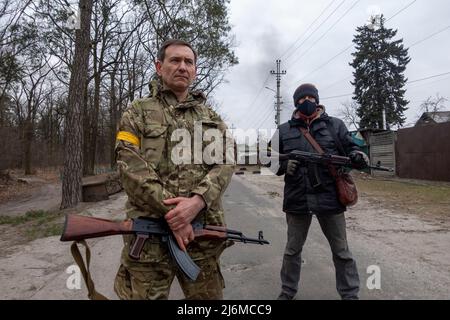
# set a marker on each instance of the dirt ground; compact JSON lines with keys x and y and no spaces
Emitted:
{"x":21,"y":193}
{"x":405,"y":222}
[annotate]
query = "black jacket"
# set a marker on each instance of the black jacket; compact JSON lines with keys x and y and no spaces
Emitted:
{"x":300,"y":197}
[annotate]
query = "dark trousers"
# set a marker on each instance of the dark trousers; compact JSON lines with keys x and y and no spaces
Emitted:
{"x":334,"y":229}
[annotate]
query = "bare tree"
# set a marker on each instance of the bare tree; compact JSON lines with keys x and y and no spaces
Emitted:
{"x":203,"y":23}
{"x":73,"y":152}
{"x":433,"y":104}
{"x":14,"y":39}
{"x":348,"y":113}
{"x":50,"y":123}
{"x":35,"y":91}
{"x":46,"y":96}
{"x":108,"y":40}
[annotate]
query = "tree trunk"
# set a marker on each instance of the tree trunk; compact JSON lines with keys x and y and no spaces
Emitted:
{"x":2,"y":112}
{"x":73,"y":151}
{"x":51,"y":135}
{"x":113,"y":119}
{"x":86,"y":130}
{"x":92,"y":147}
{"x":28,"y":135}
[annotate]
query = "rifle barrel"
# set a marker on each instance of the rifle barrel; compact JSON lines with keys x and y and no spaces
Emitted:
{"x":247,"y":240}
{"x":379,"y":168}
{"x":221,"y":229}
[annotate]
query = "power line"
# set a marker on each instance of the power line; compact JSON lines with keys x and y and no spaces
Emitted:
{"x":431,"y":77}
{"x":323,"y":65}
{"x":323,"y":22}
{"x":335,"y":83}
{"x":429,"y":37}
{"x":314,"y":31}
{"x":409,"y":82}
{"x":349,"y":47}
{"x":260,"y":90}
{"x":339,"y":96}
{"x":256,"y":119}
{"x":248,"y":110}
{"x":329,"y":29}
{"x":414,"y":44}
{"x":334,"y":57}
{"x":429,"y":83}
{"x":401,"y":10}
{"x":309,"y":27}
{"x":264,"y":120}
{"x":264,"y":117}
{"x":326,"y":63}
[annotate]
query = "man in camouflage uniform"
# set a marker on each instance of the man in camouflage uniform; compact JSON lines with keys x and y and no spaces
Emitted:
{"x":156,"y":187}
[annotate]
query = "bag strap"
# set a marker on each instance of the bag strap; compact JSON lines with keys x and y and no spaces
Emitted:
{"x":84,"y":268}
{"x":318,"y":148}
{"x":311,"y":140}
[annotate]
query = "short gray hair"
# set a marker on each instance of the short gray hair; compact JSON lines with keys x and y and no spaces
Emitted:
{"x":174,"y":42}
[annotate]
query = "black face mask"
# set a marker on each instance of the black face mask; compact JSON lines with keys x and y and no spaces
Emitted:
{"x":307,"y":107}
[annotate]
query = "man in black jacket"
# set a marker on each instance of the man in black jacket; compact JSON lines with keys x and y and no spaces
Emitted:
{"x":310,"y":190}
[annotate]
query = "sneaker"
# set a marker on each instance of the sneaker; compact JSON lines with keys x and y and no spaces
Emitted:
{"x":285,"y":296}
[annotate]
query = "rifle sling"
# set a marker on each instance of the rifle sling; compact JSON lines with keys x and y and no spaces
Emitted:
{"x":84,"y":268}
{"x":318,"y":148}
{"x":311,"y":140}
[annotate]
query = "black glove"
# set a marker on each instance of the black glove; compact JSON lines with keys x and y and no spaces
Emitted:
{"x":358,"y":160}
{"x":292,"y":167}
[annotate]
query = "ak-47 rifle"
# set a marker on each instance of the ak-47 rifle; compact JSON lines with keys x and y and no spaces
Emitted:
{"x":78,"y":228}
{"x":326,"y":159}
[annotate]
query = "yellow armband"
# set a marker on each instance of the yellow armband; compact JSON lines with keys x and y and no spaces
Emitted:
{"x":128,"y":137}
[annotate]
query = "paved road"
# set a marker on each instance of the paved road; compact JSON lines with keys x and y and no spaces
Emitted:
{"x":252,"y":272}
{"x":406,"y":271}
{"x":410,"y":269}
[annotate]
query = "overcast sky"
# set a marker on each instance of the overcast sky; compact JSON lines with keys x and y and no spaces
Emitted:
{"x":271,"y":29}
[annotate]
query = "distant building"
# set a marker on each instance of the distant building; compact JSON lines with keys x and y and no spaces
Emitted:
{"x":379,"y":145}
{"x":433,"y":118}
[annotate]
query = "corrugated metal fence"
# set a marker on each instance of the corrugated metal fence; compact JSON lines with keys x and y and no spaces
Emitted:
{"x":424,"y":152}
{"x":382,"y":149}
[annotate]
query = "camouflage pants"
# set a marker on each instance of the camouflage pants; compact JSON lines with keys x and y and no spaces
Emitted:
{"x":152,"y":281}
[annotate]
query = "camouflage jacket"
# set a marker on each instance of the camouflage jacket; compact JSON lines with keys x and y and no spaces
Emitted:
{"x":147,"y":172}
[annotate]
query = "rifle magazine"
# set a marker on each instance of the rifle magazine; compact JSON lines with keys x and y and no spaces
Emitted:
{"x":183,"y":260}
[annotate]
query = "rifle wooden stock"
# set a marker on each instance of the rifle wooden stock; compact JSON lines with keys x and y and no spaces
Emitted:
{"x":78,"y":228}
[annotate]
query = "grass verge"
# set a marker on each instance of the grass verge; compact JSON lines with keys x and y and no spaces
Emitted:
{"x":36,"y":224}
{"x":417,"y":198}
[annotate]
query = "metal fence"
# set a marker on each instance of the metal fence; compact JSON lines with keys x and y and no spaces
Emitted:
{"x":382,"y":149}
{"x":424,"y":152}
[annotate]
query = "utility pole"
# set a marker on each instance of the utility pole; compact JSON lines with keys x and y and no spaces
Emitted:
{"x":278,"y":75}
{"x":232,"y":129}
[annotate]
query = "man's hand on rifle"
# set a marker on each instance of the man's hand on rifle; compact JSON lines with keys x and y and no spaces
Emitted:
{"x":185,"y":211}
{"x":292,"y":167}
{"x":184,"y":236}
{"x":359,"y":159}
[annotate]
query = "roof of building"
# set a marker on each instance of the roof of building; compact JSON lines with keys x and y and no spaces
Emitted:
{"x":436,"y":117}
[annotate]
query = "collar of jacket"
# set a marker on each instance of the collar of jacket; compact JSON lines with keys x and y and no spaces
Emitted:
{"x":157,"y":89}
{"x":294,"y":122}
